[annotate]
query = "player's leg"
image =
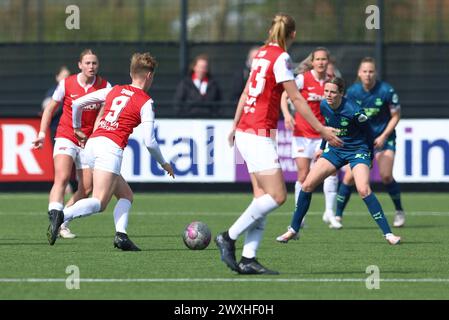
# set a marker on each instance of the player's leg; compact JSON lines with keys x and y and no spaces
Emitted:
{"x":303,"y":164}
{"x":124,"y":196}
{"x":361,"y":177}
{"x":63,"y":158}
{"x":272,"y":183}
{"x":344,"y":193}
{"x":64,"y":154}
{"x":263,"y":163}
{"x":321,"y":170}
{"x":84,"y":177}
{"x":104,"y":184}
{"x":385,"y":159}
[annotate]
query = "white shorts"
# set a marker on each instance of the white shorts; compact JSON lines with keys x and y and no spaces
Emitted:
{"x":305,"y":147}
{"x":104,"y":154}
{"x":67,"y":147}
{"x":259,"y":152}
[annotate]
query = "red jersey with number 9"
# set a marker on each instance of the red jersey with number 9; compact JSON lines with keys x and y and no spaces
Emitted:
{"x":270,"y":67}
{"x":122,"y":113}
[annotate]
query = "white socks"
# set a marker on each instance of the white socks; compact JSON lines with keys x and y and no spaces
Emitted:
{"x":121,"y":213}
{"x":330,"y":188}
{"x":253,"y":237}
{"x":55,"y":206}
{"x":257,"y":209}
{"x":82,"y":208}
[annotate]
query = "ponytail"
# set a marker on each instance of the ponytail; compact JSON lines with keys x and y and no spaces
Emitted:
{"x":282,"y":26}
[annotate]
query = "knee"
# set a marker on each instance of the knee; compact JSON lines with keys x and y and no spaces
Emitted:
{"x":387,"y":179}
{"x":302,"y":177}
{"x":307,"y":187}
{"x":280,"y":197}
{"x":364,"y":191}
{"x":128,"y":196}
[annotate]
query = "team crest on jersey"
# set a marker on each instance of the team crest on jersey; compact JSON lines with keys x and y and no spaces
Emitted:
{"x":378,"y":102}
{"x":344,"y":122}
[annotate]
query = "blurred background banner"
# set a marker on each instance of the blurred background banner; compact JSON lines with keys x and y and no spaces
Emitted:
{"x":19,"y":161}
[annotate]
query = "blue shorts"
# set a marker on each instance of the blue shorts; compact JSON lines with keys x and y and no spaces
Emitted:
{"x":390,"y":144}
{"x":339,"y":158}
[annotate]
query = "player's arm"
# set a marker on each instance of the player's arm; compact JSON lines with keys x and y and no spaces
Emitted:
{"x":99,"y":116}
{"x":47,"y":115}
{"x":95,"y":97}
{"x":147,"y":123}
{"x":395,"y":110}
{"x":288,"y":119}
{"x":238,"y":112}
{"x":303,"y":108}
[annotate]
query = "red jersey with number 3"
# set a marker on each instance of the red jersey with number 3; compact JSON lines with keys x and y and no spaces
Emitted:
{"x":270,"y":67}
{"x":313,"y":91}
{"x":73,"y":90}
{"x":122,"y":113}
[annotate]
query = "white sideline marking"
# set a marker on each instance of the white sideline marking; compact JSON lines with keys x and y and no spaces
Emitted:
{"x":43,"y":280}
{"x":234,"y":213}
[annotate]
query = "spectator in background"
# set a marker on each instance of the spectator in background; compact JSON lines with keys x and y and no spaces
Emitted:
{"x":196,"y":95}
{"x":240,"y":78}
{"x":62,"y":73}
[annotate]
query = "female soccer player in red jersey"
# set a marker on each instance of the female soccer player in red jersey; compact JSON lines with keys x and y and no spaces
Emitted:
{"x":254,"y":131}
{"x":125,"y":107}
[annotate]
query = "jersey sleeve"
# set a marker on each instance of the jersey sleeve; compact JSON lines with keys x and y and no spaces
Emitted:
{"x":59,"y":93}
{"x":350,"y":95}
{"x":282,"y":68}
{"x":147,"y":120}
{"x":98,"y":96}
{"x":392,"y":100}
{"x":299,"y":80}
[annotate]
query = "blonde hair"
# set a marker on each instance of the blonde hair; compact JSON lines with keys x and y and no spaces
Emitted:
{"x":142,"y":63}
{"x":86,"y":52}
{"x":282,"y":26}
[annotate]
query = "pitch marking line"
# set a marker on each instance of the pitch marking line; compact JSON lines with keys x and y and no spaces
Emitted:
{"x":156,"y":280}
{"x":234,"y":213}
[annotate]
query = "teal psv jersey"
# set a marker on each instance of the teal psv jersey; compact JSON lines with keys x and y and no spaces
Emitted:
{"x":355,"y":130}
{"x":377,"y":103}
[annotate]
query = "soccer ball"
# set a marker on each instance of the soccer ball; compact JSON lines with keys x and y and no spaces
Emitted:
{"x":196,"y":235}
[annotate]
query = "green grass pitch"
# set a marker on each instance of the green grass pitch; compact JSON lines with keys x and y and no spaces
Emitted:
{"x":323,"y":264}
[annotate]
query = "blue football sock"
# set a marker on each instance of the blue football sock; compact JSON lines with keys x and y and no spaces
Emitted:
{"x":344,"y":193}
{"x":377,"y":213}
{"x":395,"y":194}
{"x":302,"y":205}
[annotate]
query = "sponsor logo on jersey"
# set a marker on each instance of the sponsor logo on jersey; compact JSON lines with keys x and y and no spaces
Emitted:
{"x":362,"y":118}
{"x":92,"y":107}
{"x":314,"y":97}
